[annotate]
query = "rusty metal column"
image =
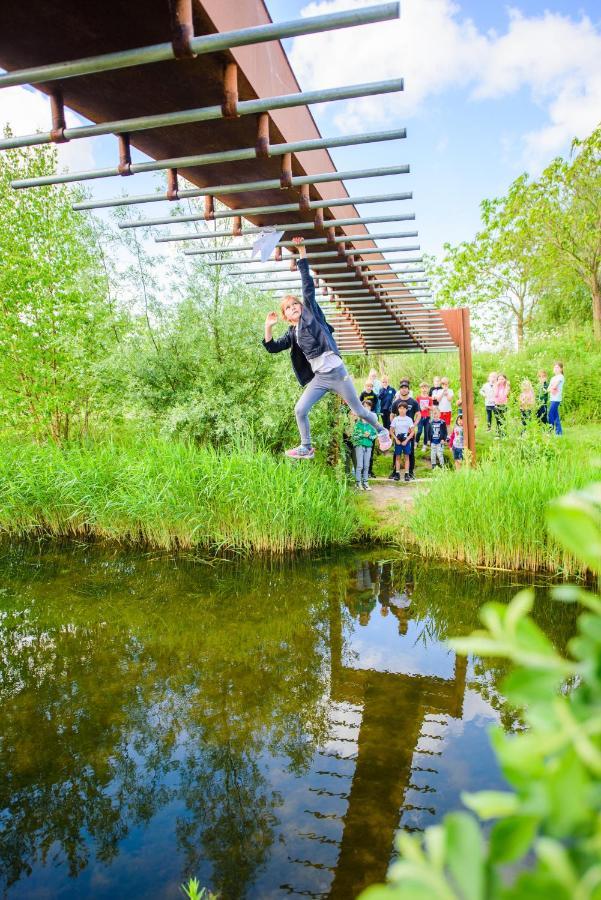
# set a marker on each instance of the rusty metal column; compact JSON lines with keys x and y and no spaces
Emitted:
{"x":467,"y":382}
{"x":458,"y":325}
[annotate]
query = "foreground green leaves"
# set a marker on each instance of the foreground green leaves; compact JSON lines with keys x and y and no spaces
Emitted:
{"x":548,"y":827}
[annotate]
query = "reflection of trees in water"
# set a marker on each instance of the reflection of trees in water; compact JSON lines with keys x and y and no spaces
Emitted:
{"x":131,"y":683}
{"x":185,"y":687}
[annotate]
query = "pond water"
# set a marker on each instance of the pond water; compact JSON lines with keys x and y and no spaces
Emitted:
{"x":267,"y":727}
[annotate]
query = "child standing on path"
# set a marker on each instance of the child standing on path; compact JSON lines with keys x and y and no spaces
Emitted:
{"x":424,"y":401}
{"x":369,"y":393}
{"x":362,"y":439}
{"x":438,"y":436}
{"x":457,"y":439}
{"x":488,"y":392}
{"x":386,"y":397}
{"x":542,"y":397}
{"x":444,"y":395}
{"x":556,"y":396}
{"x":315,"y":359}
{"x":402,"y":431}
{"x":435,"y":385}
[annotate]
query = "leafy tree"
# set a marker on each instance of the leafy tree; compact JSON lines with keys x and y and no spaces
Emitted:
{"x":495,"y":273}
{"x":56,"y":322}
{"x":565,"y":213}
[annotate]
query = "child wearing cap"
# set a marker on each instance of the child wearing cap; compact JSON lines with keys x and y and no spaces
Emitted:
{"x":402,"y":432}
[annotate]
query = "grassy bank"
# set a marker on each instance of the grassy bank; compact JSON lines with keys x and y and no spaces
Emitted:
{"x":170,"y":495}
{"x":494,"y":515}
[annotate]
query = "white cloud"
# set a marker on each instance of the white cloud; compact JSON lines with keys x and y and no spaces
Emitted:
{"x":554,"y":57}
{"x":27,"y":111}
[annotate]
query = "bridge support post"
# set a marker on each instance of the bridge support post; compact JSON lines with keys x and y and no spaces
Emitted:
{"x":458,"y":325}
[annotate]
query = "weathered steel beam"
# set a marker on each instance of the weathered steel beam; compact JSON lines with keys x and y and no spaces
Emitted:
{"x":219,"y":190}
{"x":208,"y":43}
{"x":269,"y":210}
{"x":223,"y":156}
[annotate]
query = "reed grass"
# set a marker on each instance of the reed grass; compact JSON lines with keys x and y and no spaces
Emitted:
{"x":494,"y":515}
{"x":171,"y":495}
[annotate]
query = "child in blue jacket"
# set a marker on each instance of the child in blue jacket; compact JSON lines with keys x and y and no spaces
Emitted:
{"x":315,"y":359}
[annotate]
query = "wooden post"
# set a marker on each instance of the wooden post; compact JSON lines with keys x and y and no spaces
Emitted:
{"x":458,"y":325}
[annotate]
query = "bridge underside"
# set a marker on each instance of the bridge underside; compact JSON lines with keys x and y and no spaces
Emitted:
{"x":40,"y":33}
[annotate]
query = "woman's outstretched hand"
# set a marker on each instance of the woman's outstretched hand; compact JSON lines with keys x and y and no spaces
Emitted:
{"x":299,"y":245}
{"x":271,"y":319}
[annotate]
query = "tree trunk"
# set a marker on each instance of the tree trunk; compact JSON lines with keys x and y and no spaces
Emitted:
{"x":596,"y":298}
{"x":520,"y":330}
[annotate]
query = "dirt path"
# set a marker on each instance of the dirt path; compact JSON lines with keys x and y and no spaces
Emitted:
{"x":387,"y":499}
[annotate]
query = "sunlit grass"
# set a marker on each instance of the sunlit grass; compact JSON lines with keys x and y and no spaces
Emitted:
{"x":494,"y":515}
{"x":171,"y":495}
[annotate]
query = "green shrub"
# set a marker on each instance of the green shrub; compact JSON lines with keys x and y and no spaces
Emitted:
{"x":545,"y":843}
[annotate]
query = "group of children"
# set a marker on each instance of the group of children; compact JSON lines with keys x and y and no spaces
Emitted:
{"x":545,"y":401}
{"x":409,"y":419}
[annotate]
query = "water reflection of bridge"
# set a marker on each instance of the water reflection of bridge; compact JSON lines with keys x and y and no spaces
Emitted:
{"x":393,"y":710}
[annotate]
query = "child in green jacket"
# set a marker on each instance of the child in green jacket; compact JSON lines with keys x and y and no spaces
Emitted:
{"x":362,"y":439}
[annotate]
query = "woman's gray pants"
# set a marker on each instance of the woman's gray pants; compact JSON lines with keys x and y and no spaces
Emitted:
{"x":363,"y":456}
{"x":338,"y":381}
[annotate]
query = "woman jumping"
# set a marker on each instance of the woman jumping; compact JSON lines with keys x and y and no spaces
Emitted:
{"x":315,"y":359}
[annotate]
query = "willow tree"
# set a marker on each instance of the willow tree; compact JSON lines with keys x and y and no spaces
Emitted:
{"x":565,"y":213}
{"x":55,"y":320}
{"x":497,"y":273}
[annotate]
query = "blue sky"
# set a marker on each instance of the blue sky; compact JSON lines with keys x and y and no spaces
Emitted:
{"x":490,"y":91}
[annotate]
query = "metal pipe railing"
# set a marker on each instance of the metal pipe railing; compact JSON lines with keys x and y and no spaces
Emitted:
{"x":310,"y":256}
{"x":324,"y":267}
{"x":206,"y":113}
{"x":208,"y":43}
{"x":268,"y":210}
{"x":209,"y":159}
{"x":312,"y":242}
{"x":330,"y":284}
{"x":329,"y":223}
{"x":327,"y":254}
{"x":219,"y":190}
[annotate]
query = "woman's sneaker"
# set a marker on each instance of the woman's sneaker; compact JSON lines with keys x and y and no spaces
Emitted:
{"x":301,"y":453}
{"x":384,"y":441}
{"x":366,"y":487}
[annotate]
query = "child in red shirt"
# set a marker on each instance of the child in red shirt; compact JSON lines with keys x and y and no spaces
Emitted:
{"x":424,"y":401}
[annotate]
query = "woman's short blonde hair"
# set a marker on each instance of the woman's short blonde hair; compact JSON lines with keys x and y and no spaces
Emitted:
{"x":285,"y":301}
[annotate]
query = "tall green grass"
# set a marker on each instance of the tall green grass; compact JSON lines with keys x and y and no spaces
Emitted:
{"x":171,"y":495}
{"x":494,"y":515}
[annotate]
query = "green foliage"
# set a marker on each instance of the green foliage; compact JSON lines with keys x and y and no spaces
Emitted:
{"x":536,"y":260}
{"x":498,"y":269}
{"x":564,"y":214}
{"x":172,"y":495}
{"x":56,"y":321}
{"x":494,"y":514}
{"x":548,"y":827}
